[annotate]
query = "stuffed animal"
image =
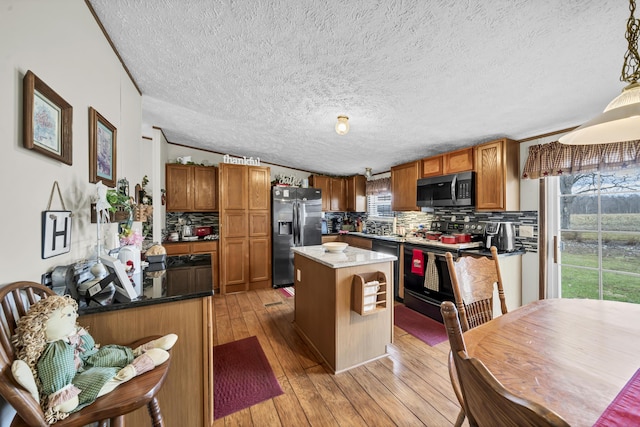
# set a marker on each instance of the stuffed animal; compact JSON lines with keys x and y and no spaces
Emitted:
{"x":63,"y":368}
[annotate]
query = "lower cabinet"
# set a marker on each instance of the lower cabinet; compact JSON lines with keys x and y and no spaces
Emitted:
{"x":192,"y":248}
{"x":186,"y":398}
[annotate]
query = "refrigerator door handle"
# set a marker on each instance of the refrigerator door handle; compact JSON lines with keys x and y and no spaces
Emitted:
{"x":296,"y":220}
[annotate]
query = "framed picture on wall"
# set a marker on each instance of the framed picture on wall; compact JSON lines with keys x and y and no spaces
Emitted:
{"x":102,"y":149}
{"x":47,"y":120}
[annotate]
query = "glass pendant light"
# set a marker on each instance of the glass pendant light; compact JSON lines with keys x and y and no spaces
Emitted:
{"x":620,"y":121}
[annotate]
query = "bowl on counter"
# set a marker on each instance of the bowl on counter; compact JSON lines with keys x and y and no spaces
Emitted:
{"x":335,"y":247}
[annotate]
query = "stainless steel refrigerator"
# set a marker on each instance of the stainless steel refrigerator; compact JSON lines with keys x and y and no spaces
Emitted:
{"x":296,"y":221}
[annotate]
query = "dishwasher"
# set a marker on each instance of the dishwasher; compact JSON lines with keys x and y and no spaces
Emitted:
{"x":391,"y":248}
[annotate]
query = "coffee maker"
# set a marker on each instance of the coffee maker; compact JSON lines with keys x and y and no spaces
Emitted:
{"x":502,"y":235}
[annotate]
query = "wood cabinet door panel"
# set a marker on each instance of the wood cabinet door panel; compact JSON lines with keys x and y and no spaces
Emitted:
{"x":260,"y":259}
{"x":205,"y":188}
{"x":404,"y":186}
{"x":233,"y":186}
{"x":458,"y":161}
{"x":178,"y":248}
{"x":431,"y":166}
{"x":490,"y":183}
{"x":203,"y":277}
{"x":179,"y":281}
{"x":234,"y":224}
{"x":338,"y":192}
{"x":235,"y":258}
{"x":259,"y":188}
{"x":356,"y":187}
{"x":179,"y":179}
{"x":322,"y":182}
{"x":259,"y":224}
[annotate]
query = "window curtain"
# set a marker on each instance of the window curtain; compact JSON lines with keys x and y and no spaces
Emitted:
{"x":378,"y":186}
{"x":555,"y":159}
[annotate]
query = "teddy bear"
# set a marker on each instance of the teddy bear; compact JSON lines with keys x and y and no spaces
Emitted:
{"x":61,"y":366}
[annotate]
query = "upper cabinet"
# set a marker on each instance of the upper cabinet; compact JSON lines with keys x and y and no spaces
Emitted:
{"x":341,"y":194}
{"x":191,"y":188}
{"x":458,"y":161}
{"x":404,"y":180}
{"x":357,"y":193}
{"x":324,"y":184}
{"x":497,"y":181}
{"x":447,"y":163}
{"x":338,"y":195}
{"x":431,"y":166}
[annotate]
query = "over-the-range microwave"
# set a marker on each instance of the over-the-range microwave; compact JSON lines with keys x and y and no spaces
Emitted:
{"x":448,"y":190}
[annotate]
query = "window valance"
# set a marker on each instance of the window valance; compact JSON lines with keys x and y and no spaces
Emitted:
{"x":378,"y":186}
{"x":554,"y":159}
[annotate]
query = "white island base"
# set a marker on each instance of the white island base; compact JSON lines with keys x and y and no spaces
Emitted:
{"x":326,"y":311}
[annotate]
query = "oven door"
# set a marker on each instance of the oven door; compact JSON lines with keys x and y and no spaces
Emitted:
{"x":420,"y":294}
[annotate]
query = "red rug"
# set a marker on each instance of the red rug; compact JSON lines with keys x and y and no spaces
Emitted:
{"x":288,"y":292}
{"x":625,"y":408}
{"x":242,"y":377}
{"x":422,"y":327}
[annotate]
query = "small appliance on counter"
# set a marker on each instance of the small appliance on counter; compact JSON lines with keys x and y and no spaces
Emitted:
{"x":502,"y":235}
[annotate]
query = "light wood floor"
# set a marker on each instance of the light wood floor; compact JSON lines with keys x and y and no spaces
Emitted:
{"x":410,"y":387}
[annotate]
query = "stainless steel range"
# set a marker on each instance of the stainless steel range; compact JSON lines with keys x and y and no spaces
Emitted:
{"x":427,"y":282}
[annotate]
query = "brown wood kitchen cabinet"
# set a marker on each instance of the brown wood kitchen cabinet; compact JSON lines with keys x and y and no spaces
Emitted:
{"x":404,"y":189}
{"x":356,"y":193}
{"x":497,"y":179}
{"x":338,"y":195}
{"x":191,"y":188}
{"x":324,"y":184}
{"x":448,"y":163}
{"x":245,"y":227}
{"x":199,"y":247}
{"x":341,"y":194}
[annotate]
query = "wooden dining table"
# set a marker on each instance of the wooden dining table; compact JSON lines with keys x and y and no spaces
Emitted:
{"x":570,"y":355}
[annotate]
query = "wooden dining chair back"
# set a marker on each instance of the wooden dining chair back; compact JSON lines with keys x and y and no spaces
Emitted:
{"x":15,"y":300}
{"x":474,"y":280}
{"x":486,"y":401}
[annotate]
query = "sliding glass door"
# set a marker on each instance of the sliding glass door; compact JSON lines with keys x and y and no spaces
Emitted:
{"x":594,"y":224}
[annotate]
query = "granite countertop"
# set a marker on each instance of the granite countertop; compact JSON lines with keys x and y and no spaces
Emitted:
{"x":487,"y":252}
{"x":351,"y":256}
{"x":154,"y":287}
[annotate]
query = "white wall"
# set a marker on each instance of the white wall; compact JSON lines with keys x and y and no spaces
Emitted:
{"x":62,"y":44}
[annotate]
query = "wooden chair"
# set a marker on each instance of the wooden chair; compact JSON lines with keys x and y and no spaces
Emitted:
{"x":16,"y":298}
{"x":473,"y":280}
{"x":486,"y":401}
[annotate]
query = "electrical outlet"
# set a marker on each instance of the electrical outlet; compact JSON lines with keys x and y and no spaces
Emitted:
{"x":526,"y":231}
{"x":298,"y":275}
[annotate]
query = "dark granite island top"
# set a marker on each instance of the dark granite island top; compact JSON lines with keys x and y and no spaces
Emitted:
{"x":184,"y":277}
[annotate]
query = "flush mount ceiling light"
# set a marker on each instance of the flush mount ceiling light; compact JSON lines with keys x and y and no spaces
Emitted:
{"x":367,"y":172}
{"x":342,"y":126}
{"x":620,"y":121}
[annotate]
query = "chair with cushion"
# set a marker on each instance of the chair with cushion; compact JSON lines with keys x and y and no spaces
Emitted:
{"x":16,"y":298}
{"x":473,"y":280}
{"x":486,"y":401}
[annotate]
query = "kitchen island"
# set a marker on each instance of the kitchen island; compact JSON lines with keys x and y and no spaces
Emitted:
{"x":344,"y":304}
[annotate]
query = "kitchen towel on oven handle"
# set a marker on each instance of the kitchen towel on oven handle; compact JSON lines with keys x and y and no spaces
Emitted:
{"x":417,"y":262}
{"x":431,"y":278}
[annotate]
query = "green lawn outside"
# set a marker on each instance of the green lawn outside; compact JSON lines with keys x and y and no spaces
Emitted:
{"x":583,"y":283}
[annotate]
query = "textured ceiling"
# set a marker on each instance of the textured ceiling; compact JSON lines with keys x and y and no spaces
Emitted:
{"x":268,"y":78}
